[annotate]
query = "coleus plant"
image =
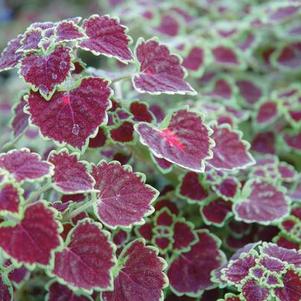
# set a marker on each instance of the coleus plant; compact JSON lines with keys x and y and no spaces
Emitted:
{"x":151,"y":177}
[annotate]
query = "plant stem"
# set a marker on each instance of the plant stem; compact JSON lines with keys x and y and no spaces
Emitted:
{"x":10,"y":144}
{"x":83,"y":207}
{"x":36,"y":194}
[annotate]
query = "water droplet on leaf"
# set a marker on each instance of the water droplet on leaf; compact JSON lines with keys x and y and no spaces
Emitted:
{"x":75,"y":129}
{"x":53,"y":76}
{"x":63,"y":65}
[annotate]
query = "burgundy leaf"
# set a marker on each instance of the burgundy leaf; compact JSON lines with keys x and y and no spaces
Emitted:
{"x":192,"y":188}
{"x":227,"y":188}
{"x":225,"y":56}
{"x":20,"y":119}
{"x":10,"y":57}
{"x":249,"y":90}
{"x":124,"y":199}
{"x":164,"y":165}
{"x":38,"y":231}
{"x":106,"y":36}
{"x":46,"y":72}
{"x":70,"y":174}
{"x":194,"y":60}
{"x":261,"y":202}
{"x":189,"y":273}
{"x":289,"y":256}
{"x":183,"y":235}
{"x":217,"y":211}
{"x":141,"y":111}
{"x":123,"y":132}
{"x":289,"y":56}
{"x":293,"y":141}
{"x":59,"y":292}
{"x":239,"y":269}
{"x":99,"y":140}
{"x":264,"y":143}
{"x":68,"y":31}
{"x":24,"y":165}
{"x":267,"y":112}
{"x":160,"y":71}
{"x":10,"y":198}
{"x":72,"y":116}
{"x":169,"y":25}
{"x":6,"y":290}
{"x":140,"y":277}
{"x":185,"y":141}
{"x":292,"y":287}
{"x":252,"y":291}
{"x":87,"y":260}
{"x":230,"y":151}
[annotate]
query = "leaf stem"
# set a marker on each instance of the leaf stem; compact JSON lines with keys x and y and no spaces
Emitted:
{"x":33,"y":196}
{"x":83,"y":207}
{"x":10,"y":144}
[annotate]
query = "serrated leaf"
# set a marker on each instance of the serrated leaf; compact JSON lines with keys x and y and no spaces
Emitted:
{"x":38,"y":231}
{"x":160,"y":71}
{"x":46,"y":72}
{"x":68,"y":31}
{"x":10,"y":198}
{"x":192,"y":188}
{"x":20,"y":119}
{"x":253,"y":291}
{"x":88,"y":257}
{"x":141,"y":111}
{"x":185,"y":141}
{"x":70,"y":174}
{"x":10,"y":57}
{"x":230,"y":151}
{"x":123,"y":199}
{"x":291,"y":287}
{"x":24,"y":165}
{"x":183,"y":235}
{"x":106,"y":36}
{"x":31,"y":39}
{"x":129,"y":285}
{"x":216,"y":211}
{"x":72,"y":116}
{"x":262,"y":202}
{"x":189,"y":272}
{"x":123,"y":132}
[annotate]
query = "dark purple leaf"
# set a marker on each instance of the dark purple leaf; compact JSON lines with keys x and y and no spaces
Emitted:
{"x":72,"y":116}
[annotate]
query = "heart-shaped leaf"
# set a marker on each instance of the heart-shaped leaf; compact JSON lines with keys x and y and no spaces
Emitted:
{"x":160,"y":71}
{"x":46,"y":72}
{"x":72,"y":116}
{"x":70,"y":174}
{"x":261,"y":202}
{"x":88,"y":257}
{"x":230,"y":151}
{"x":38,"y":231}
{"x":140,"y":276}
{"x":106,"y":36}
{"x":185,"y":141}
{"x":124,"y":198}
{"x":23,"y":165}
